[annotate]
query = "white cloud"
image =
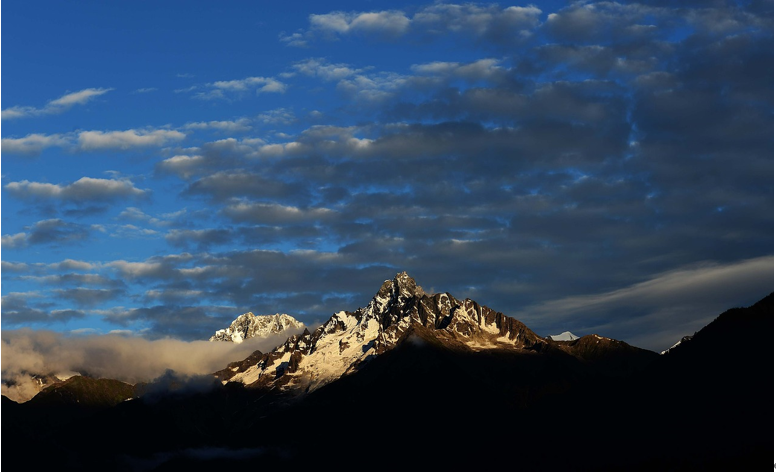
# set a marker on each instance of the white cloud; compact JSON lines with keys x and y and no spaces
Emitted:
{"x":296,"y":40}
{"x":225,"y":88}
{"x":32,"y":144}
{"x":86,"y":188}
{"x":488,"y":22}
{"x":384,"y":23}
{"x":282,"y":116}
{"x":55,"y":106}
{"x":14,"y":241}
{"x":182,"y":165}
{"x":319,"y":67}
{"x":99,"y":140}
{"x":243,"y":124}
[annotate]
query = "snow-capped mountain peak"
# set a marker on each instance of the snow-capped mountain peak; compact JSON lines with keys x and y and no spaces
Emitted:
{"x":564,"y":337}
{"x":249,"y":326}
{"x":349,"y":339}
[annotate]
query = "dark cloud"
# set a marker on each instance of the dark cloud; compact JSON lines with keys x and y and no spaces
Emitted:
{"x":85,"y":297}
{"x":56,"y":231}
{"x":183,"y":322}
{"x":27,"y":308}
{"x":239,"y":183}
{"x":199,"y":239}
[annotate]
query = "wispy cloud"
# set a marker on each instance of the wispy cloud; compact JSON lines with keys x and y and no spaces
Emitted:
{"x":54,"y":106}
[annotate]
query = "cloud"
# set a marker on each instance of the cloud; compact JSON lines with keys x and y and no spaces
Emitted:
{"x":200,"y":239}
{"x":85,"y":297}
{"x":55,"y":106}
{"x":184,"y":166}
{"x":17,"y":240}
{"x":239,"y":87}
{"x":481,"y":22}
{"x":32,"y":144}
{"x":296,"y":40}
{"x":231,"y":126}
{"x":129,"y":359}
{"x":272,"y":214}
{"x":278,"y":116}
{"x":54,"y":231}
{"x":35,"y":143}
{"x":84,"y":189}
{"x":225,"y":185}
{"x":128,"y":139}
{"x":17,"y":309}
{"x":661,"y":310}
{"x":388,"y":24}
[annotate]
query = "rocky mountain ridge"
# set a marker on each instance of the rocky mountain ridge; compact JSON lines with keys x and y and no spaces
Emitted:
{"x":400,"y":311}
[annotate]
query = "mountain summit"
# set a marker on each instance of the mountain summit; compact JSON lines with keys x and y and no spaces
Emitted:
{"x":249,"y":326}
{"x":400,"y":311}
{"x":564,"y":337}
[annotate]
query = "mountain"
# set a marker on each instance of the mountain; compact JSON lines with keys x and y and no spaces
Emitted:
{"x":437,"y":389}
{"x":249,"y":326}
{"x":23,"y":386}
{"x":85,"y":391}
{"x":563,"y":337}
{"x":686,"y":338}
{"x":401,"y":312}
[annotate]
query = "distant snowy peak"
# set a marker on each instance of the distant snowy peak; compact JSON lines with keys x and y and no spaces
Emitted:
{"x":564,"y":337}
{"x":684,"y":339}
{"x":251,"y":326}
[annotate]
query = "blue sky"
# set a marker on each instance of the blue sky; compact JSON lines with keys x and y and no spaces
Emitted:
{"x":593,"y":167}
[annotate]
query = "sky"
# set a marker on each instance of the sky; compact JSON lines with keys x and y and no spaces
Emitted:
{"x":597,"y":167}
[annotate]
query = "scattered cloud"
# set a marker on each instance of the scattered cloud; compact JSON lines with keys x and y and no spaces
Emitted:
{"x":489,"y":23}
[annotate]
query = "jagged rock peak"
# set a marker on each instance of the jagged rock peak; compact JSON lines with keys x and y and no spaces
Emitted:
{"x":403,"y":285}
{"x":249,"y":326}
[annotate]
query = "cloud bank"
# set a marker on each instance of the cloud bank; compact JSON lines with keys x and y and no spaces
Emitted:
{"x":128,"y":359}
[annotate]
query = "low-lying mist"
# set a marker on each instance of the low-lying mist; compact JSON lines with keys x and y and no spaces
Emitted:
{"x":130,"y":359}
